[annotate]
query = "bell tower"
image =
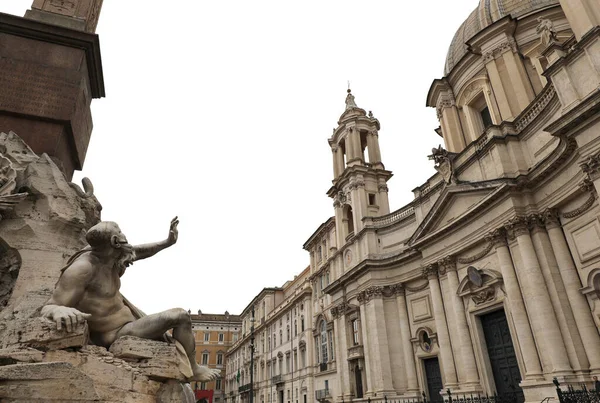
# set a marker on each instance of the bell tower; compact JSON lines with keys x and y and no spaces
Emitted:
{"x":359,"y":176}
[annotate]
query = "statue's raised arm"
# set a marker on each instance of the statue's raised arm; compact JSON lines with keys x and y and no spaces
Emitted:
{"x":150,"y":249}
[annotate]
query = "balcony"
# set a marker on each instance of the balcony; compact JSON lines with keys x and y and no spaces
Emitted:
{"x":322,"y":394}
{"x":277,"y":379}
{"x":355,"y":352}
{"x":244,"y":388}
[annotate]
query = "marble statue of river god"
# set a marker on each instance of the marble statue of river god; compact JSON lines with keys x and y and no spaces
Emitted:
{"x":88,"y":289}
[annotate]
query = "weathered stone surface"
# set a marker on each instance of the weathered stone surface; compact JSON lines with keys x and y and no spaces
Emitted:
{"x":175,"y":392}
{"x":42,"y":333}
{"x":50,"y":381}
{"x":12,"y":355}
{"x":156,"y":359}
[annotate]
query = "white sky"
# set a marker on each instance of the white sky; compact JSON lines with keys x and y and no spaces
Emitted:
{"x":219,"y":112}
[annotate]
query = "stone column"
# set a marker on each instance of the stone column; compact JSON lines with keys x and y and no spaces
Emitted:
{"x":407,"y":348}
{"x":469,"y":365}
{"x":581,"y":310}
{"x":539,"y":307}
{"x":368,"y":388}
{"x":350,"y":153}
{"x":557,"y":293}
{"x":340,"y":227}
{"x":441,"y":327}
{"x":384,"y":203}
{"x":531,"y":360}
{"x":498,"y":87}
{"x":376,"y":150}
{"x":518,"y":77}
{"x":341,"y":346}
{"x":338,"y":161}
{"x":451,"y":126}
{"x":378,"y":341}
{"x":583,"y":15}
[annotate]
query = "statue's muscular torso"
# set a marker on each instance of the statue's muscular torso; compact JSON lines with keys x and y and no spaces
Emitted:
{"x":100,"y":298}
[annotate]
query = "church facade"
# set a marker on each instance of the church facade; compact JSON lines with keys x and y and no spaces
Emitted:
{"x":489,"y":280}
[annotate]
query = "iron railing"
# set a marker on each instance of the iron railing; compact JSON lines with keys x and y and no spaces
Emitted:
{"x":511,"y":397}
{"x":572,"y":395}
{"x":321,"y":394}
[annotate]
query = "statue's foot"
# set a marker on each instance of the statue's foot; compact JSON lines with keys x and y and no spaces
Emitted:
{"x":204,"y":374}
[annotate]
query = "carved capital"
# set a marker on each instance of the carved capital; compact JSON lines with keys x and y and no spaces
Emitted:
{"x":374,"y":292}
{"x":591,"y":165}
{"x":551,"y":218}
{"x":359,"y":183}
{"x":497,"y":238}
{"x":445,"y":264}
{"x":508,"y":45}
{"x":383,"y":188}
{"x":430,"y":272}
{"x":398,"y":289}
{"x":536,"y":223}
{"x":517,"y":226}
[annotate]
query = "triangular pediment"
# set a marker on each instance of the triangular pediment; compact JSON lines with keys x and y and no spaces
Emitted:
{"x":455,"y":205}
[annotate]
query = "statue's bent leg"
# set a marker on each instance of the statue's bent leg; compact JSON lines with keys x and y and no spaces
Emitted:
{"x":155,"y":325}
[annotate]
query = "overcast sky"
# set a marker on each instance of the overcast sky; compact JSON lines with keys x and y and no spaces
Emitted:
{"x":219,"y":112}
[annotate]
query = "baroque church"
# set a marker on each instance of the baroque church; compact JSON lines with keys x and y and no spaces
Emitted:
{"x":488,"y":282}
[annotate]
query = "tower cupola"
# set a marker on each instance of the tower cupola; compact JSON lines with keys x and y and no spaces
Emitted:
{"x":359,"y":176}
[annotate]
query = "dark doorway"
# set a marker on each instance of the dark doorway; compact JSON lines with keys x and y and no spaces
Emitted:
{"x":358,"y":380}
{"x":502,"y":355}
{"x":434,"y":379}
{"x":281,"y":396}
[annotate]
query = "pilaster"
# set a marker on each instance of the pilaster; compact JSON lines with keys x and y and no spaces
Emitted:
{"x":405,"y":336}
{"x":568,"y":272}
{"x":539,"y":306}
{"x":471,"y":377}
{"x":531,"y":360}
{"x":447,"y":358}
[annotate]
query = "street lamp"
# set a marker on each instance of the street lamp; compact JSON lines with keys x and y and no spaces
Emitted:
{"x":252,"y":356}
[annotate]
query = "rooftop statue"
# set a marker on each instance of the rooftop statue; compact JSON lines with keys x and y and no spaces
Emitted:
{"x":350,"y":103}
{"x":546,"y":31}
{"x":88,"y":290}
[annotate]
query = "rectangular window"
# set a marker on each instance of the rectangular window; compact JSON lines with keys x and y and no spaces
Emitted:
{"x":202,"y":385}
{"x":287,"y":364}
{"x":235,"y":337}
{"x":204,"y":358}
{"x":486,"y":117}
{"x":331,"y":351}
{"x":221,"y":337}
{"x":218,"y":384}
{"x":372,"y":199}
{"x":355,"y":334}
{"x":326,"y":385}
{"x":219,"y":359}
{"x":206,"y":336}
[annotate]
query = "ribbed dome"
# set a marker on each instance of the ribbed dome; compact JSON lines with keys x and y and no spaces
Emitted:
{"x":488,"y":12}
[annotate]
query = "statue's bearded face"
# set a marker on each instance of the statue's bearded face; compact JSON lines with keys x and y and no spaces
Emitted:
{"x":126,"y":256}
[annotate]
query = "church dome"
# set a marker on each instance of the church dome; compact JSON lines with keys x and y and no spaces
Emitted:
{"x":488,"y":12}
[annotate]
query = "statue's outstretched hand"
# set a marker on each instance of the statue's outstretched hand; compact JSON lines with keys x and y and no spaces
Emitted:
{"x":71,"y":316}
{"x":173,"y":232}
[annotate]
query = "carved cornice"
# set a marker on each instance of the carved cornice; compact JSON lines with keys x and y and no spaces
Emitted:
{"x":430,"y":272}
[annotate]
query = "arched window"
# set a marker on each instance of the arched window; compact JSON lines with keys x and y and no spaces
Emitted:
{"x":323,"y":341}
